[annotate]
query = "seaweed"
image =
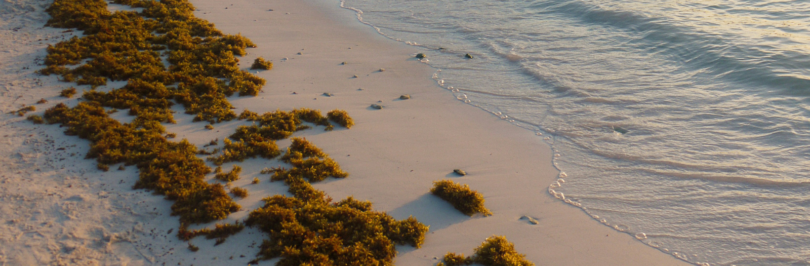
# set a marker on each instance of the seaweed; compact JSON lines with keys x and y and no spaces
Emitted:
{"x":233,"y":175}
{"x":241,"y":150}
{"x":168,"y":168}
{"x":124,"y":45}
{"x":267,"y":170}
{"x":25,"y":110}
{"x":239,"y":192}
{"x":272,"y":125}
{"x":310,"y":230}
{"x":213,"y":142}
{"x":36,"y":119}
{"x":461,"y":197}
{"x":260,"y":63}
{"x":311,"y":116}
{"x":309,"y":162}
{"x":278,"y":124}
{"x":248,"y":115}
{"x":220,"y":232}
{"x":204,"y":205}
{"x":313,"y":169}
{"x":452,"y":259}
{"x":203,"y":72}
{"x":223,"y":231}
{"x":341,"y":117}
{"x":495,"y":251}
{"x":301,"y":148}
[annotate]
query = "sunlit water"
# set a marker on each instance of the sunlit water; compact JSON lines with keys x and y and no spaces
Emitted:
{"x":713,"y":97}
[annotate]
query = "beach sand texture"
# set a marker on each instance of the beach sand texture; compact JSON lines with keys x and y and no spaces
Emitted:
{"x":58,"y":209}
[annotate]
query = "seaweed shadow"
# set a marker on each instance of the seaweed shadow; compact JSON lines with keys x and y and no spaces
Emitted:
{"x":425,"y":209}
{"x":453,"y":175}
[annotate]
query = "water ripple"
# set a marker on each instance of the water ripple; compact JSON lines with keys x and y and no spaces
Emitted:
{"x":686,"y":120}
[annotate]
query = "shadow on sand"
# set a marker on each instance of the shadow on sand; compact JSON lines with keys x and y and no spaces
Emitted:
{"x":425,"y":209}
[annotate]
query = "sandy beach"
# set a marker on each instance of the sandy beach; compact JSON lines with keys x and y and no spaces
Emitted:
{"x":58,"y":209}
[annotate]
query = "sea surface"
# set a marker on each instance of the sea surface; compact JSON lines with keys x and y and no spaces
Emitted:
{"x":683,"y":123}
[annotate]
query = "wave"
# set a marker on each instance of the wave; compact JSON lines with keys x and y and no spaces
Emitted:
{"x":699,"y":51}
{"x":711,"y":100}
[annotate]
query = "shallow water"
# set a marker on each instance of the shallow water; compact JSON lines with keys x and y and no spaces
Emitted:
{"x":712,"y":97}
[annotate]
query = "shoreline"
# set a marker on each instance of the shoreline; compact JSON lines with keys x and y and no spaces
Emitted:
{"x":453,"y":135}
{"x":393,"y":155}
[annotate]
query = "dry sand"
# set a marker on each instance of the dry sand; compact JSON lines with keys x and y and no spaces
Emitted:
{"x":57,"y":208}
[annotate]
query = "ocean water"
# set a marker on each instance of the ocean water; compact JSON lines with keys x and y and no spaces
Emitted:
{"x":684,"y":123}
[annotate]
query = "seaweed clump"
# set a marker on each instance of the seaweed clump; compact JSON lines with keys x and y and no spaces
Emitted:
{"x":453,"y":259}
{"x":68,"y":93}
{"x":495,"y":251}
{"x":278,"y":124}
{"x":312,"y":116}
{"x":36,"y":119}
{"x":241,"y":150}
{"x":239,"y":192}
{"x":308,"y":162}
{"x":341,"y":117}
{"x":233,"y":175}
{"x":309,"y":230}
{"x":249,"y":115}
{"x":25,"y":110}
{"x":220,"y":232}
{"x":260,"y":63}
{"x":259,"y":139}
{"x":461,"y":197}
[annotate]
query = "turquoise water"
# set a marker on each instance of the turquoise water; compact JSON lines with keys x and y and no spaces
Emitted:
{"x":683,"y":123}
